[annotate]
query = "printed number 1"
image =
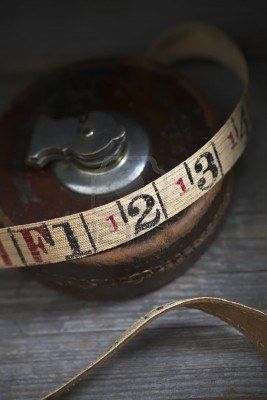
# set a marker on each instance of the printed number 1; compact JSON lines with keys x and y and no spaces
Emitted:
{"x":181,"y":183}
{"x":113,"y":222}
{"x":232,"y":140}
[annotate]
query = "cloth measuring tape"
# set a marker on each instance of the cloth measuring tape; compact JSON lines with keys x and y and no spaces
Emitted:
{"x":108,"y":226}
{"x":90,"y":232}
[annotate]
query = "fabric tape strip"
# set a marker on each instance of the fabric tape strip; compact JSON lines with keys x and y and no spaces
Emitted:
{"x":143,"y":210}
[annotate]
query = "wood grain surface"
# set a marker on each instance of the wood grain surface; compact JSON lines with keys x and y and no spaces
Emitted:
{"x":46,"y":337}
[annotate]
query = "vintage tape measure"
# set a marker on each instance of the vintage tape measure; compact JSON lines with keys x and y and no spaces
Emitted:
{"x":90,"y":232}
{"x":108,"y":226}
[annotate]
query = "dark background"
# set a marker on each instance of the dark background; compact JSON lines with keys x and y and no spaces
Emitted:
{"x":46,"y":337}
{"x":37,"y":34}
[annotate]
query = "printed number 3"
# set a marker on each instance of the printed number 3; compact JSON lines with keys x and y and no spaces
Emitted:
{"x":134,"y":210}
{"x":208,"y":159}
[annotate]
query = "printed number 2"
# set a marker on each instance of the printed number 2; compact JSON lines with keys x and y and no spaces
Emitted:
{"x":134,"y":210}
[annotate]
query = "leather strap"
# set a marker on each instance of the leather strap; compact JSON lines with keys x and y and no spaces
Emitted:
{"x":249,"y":321}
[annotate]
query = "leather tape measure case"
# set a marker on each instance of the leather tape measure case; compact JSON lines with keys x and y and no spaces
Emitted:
{"x":122,"y":167}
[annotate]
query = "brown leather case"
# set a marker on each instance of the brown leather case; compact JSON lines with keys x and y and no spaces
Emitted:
{"x":178,"y":121}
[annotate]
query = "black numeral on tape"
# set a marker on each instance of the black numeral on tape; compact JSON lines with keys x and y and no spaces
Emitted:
{"x":134,"y":210}
{"x":205,"y":164}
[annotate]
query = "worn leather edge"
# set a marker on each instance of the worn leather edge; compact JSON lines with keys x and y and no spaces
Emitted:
{"x":250,"y":322}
